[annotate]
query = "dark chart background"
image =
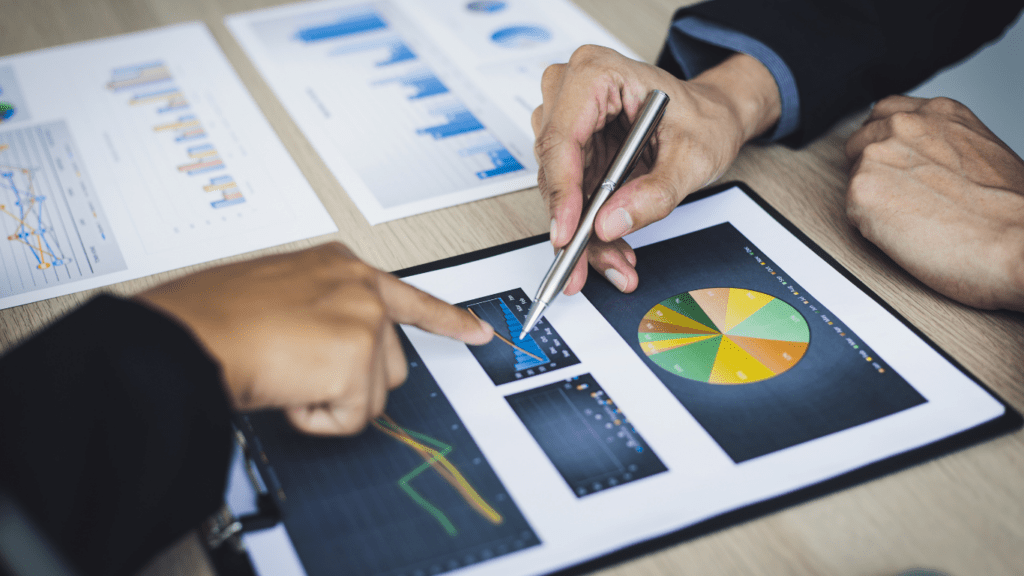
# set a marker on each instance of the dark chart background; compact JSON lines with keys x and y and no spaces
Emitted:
{"x":506,"y":311}
{"x":838,"y":384}
{"x":590,"y":442}
{"x":346,"y":512}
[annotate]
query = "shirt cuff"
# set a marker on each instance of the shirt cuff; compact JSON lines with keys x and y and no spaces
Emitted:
{"x":699,"y":44}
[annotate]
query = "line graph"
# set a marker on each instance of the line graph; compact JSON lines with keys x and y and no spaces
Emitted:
{"x":27,"y":212}
{"x":436,"y":460}
{"x":413,"y":494}
{"x":54,"y":226}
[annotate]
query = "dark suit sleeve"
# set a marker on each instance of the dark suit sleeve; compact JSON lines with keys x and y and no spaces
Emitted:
{"x":845,"y":54}
{"x":114,"y":434}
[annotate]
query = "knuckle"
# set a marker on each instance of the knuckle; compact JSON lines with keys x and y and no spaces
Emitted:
{"x":551,"y":77}
{"x":905,"y":124}
{"x":360,"y":405}
{"x":662,"y":196}
{"x":546,"y":144}
{"x":587,"y":54}
{"x":330,"y":252}
{"x":361,"y":341}
{"x":943,"y":105}
{"x":861,"y":194}
{"x":875,"y":152}
{"x":374,"y":308}
{"x":350,"y":425}
{"x":536,"y":119}
{"x":398,"y":376}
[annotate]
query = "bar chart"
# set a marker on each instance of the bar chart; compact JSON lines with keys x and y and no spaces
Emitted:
{"x":585,"y":435}
{"x":403,"y":128}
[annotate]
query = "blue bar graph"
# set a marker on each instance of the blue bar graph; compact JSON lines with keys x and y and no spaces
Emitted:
{"x":226,"y":203}
{"x":424,"y":83}
{"x":523,"y":361}
{"x":460,"y":121}
{"x":504,"y":161}
{"x":347,"y":27}
{"x":398,"y":51}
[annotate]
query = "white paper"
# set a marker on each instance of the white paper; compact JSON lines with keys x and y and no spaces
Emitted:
{"x":415,"y":105}
{"x":702,"y":480}
{"x":133,"y":155}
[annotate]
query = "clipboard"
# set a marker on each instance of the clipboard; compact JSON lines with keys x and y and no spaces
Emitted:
{"x":472,"y":453}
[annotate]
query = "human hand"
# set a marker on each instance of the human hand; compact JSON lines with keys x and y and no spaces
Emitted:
{"x":589,"y":105}
{"x":942,"y":196}
{"x":310,"y":332}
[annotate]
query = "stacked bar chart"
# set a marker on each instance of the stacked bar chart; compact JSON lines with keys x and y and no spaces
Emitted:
{"x":152,"y":87}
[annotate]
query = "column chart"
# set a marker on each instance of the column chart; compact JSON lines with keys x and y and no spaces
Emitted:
{"x":585,"y":435}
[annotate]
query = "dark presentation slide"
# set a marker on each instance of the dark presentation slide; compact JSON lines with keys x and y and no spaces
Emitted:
{"x":413,"y":494}
{"x":756,"y":360}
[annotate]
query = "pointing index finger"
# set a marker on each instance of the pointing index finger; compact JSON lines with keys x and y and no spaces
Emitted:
{"x":409,"y":305}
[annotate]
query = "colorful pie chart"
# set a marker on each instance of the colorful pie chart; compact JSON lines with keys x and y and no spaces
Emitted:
{"x":6,"y":110}
{"x":724,"y":335}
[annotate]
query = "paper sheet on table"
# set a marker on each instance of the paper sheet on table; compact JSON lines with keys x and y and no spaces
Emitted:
{"x":416,"y":105}
{"x":133,"y":155}
{"x":743,"y":368}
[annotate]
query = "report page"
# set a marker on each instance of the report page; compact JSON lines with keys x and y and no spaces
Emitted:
{"x":132,"y":155}
{"x":744,"y":367}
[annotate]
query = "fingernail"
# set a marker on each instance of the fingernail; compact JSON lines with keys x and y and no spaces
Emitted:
{"x":554,"y":230}
{"x":617,"y":224}
{"x":616,"y":278}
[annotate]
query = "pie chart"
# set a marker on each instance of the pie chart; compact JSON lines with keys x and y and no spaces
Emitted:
{"x":6,"y":110}
{"x":521,"y":36}
{"x":724,"y":335}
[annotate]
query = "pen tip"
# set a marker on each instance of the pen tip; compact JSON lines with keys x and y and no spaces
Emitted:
{"x":522,"y":334}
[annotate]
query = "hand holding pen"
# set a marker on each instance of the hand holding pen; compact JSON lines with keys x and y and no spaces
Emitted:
{"x":619,"y":169}
{"x":588,"y":104}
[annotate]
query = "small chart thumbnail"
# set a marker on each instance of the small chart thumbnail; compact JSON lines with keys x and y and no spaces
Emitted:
{"x":413,"y":494}
{"x":506,"y":358}
{"x":52,"y":227}
{"x":12,"y":104}
{"x":585,"y":435}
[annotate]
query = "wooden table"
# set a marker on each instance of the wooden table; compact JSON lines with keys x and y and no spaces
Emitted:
{"x":962,"y":514}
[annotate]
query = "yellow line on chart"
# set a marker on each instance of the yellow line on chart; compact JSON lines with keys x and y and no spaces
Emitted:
{"x":449,"y":473}
{"x":216,"y":187}
{"x":148,"y":99}
{"x":176,"y":125}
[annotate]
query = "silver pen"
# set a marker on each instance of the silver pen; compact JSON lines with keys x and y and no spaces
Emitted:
{"x":624,"y":162}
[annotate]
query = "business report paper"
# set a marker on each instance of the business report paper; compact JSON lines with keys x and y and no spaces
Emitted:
{"x":416,"y":105}
{"x":744,"y":368}
{"x":133,"y":155}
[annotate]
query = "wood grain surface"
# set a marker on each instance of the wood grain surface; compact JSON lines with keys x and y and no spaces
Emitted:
{"x":962,"y":514}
